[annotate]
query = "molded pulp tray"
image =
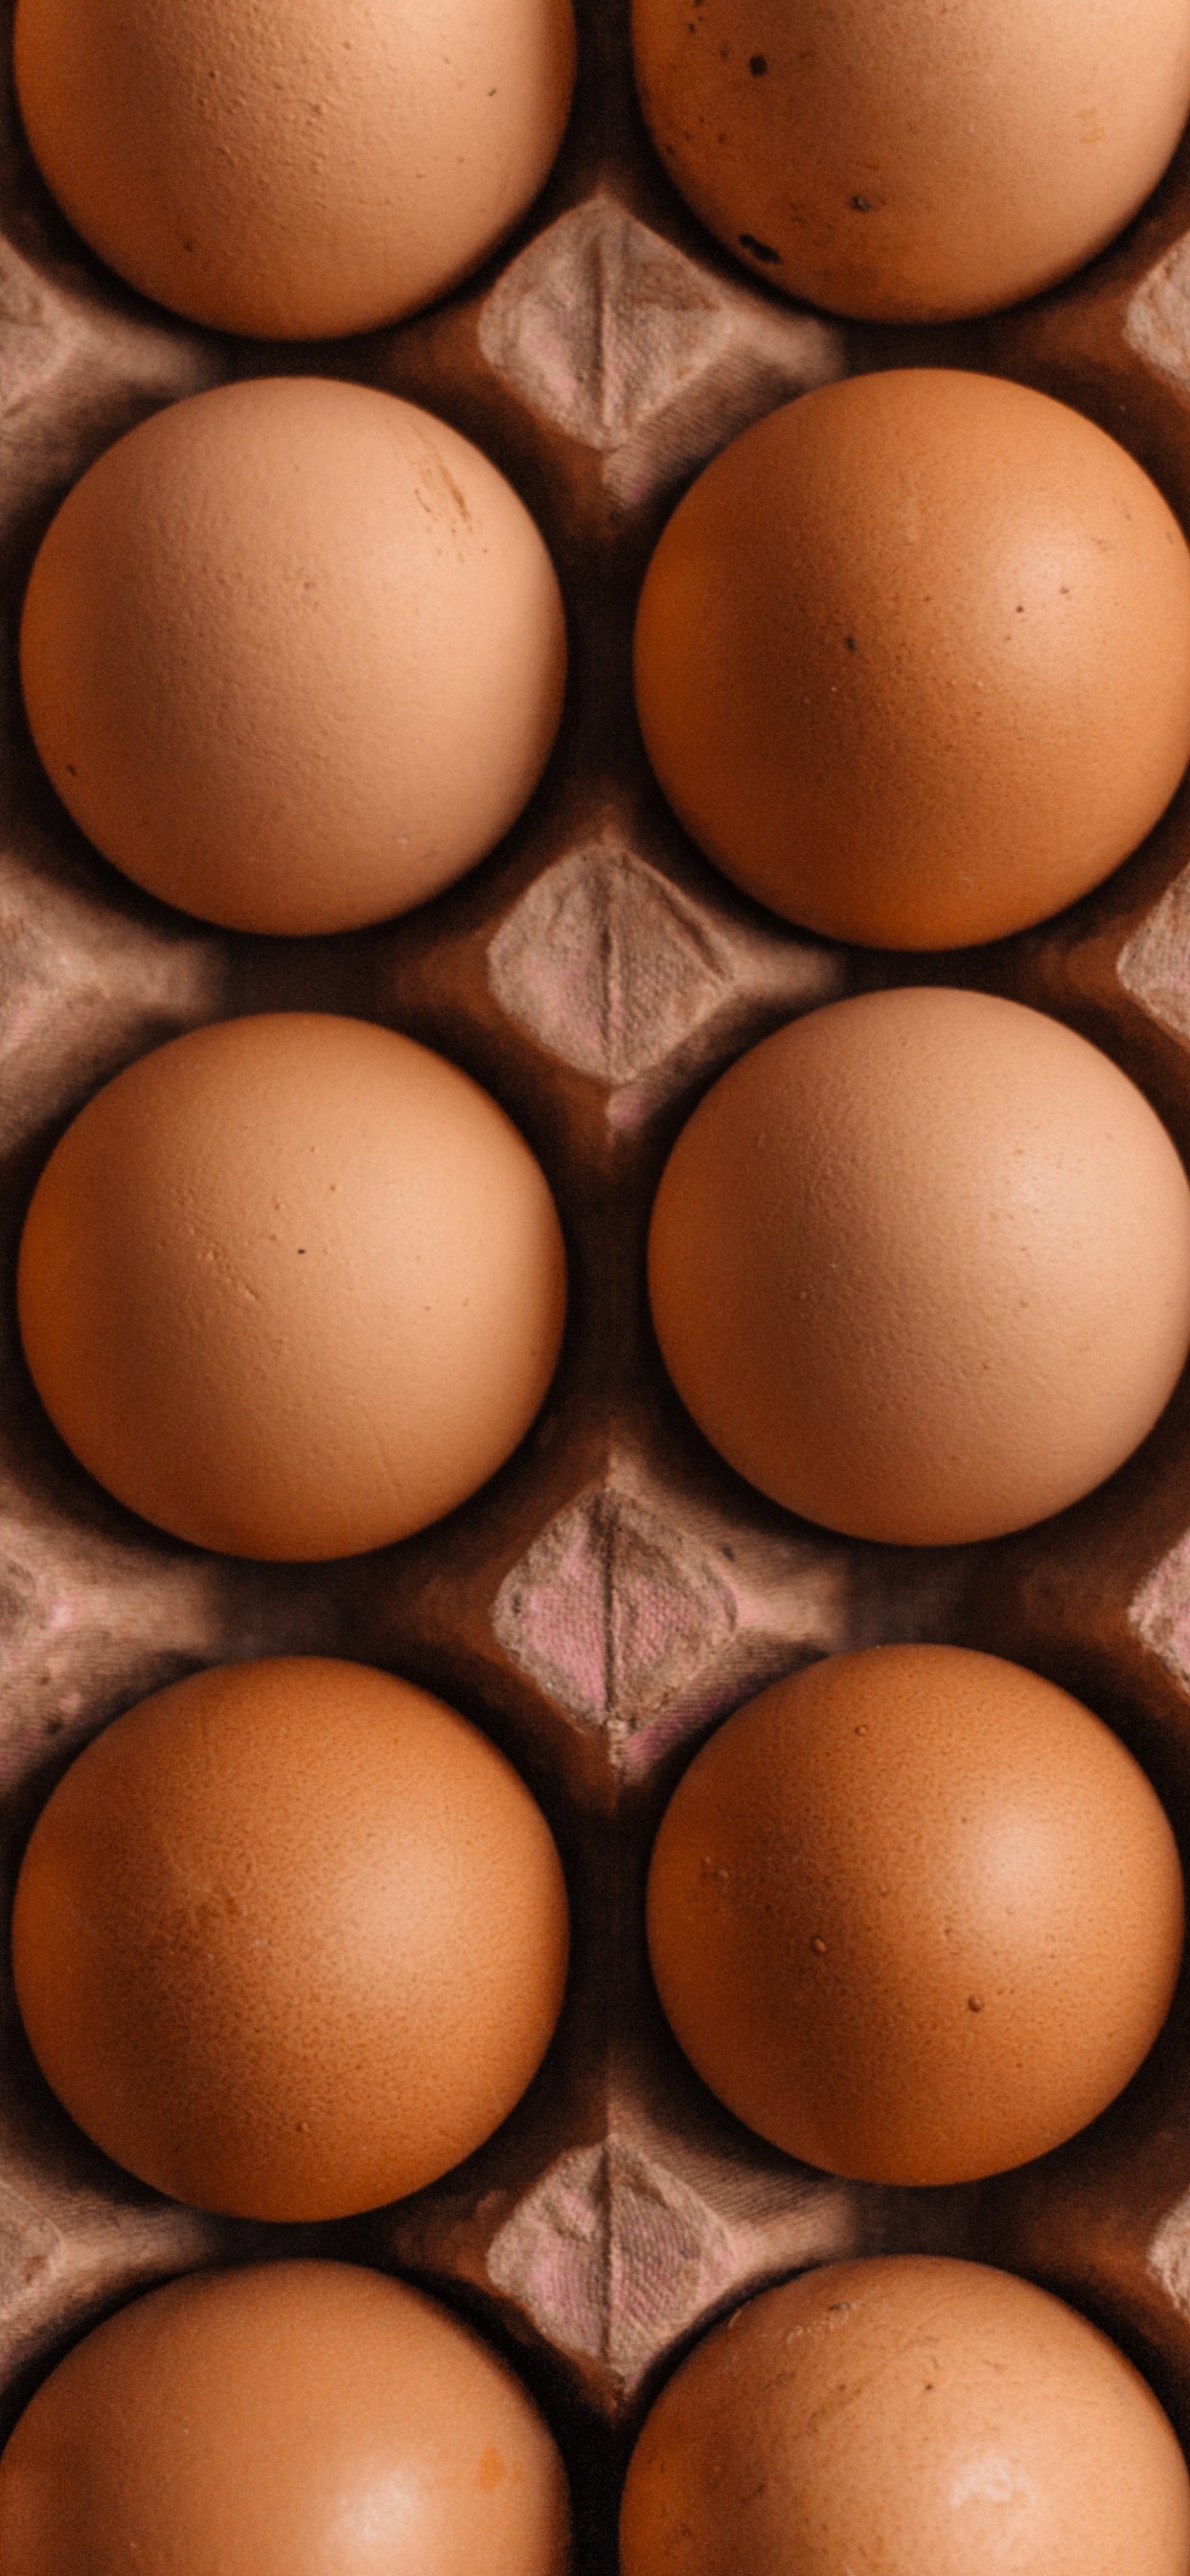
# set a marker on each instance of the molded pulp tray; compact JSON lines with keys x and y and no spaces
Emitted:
{"x":616,"y":1589}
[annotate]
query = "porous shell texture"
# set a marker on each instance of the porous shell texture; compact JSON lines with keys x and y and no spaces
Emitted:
{"x":907,"y":2413}
{"x":293,"y":654}
{"x":913,"y":658}
{"x":295,"y":174}
{"x":290,"y":1938}
{"x":920,"y":1266}
{"x":292,"y":1286}
{"x":929,"y":159}
{"x":915,"y":1914}
{"x":288,"y":2415}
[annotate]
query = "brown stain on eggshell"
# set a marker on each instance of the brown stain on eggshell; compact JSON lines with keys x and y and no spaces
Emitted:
{"x":288,"y":2415}
{"x":919,"y":162}
{"x":913,"y":658}
{"x":910,"y":2412}
{"x":915,"y":1915}
{"x":292,"y":1286}
{"x":920,"y":1266}
{"x":290,"y":1939}
{"x":293,"y":654}
{"x":295,"y":172}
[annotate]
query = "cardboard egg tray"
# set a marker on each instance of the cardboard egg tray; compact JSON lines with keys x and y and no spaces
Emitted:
{"x":615,"y":1590}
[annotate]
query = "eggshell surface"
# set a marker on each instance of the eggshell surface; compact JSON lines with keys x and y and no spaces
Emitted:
{"x":927,"y":160}
{"x":915,"y":1914}
{"x":913,"y":658}
{"x":920,"y":1266}
{"x":300,"y":171}
{"x":290,"y":1939}
{"x":295,"y":2415}
{"x":902,"y":2414}
{"x":293,"y":654}
{"x":291,"y":1286}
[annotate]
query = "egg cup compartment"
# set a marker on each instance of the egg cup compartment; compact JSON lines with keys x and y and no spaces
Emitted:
{"x":615,"y":1589}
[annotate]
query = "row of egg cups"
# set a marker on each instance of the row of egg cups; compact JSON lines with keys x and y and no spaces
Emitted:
{"x":293,"y":1286}
{"x":258,"y":209}
{"x":912,"y":657}
{"x":255,"y":2420}
{"x":290,"y":1937}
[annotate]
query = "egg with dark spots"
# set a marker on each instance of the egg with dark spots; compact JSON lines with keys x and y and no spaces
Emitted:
{"x":931,"y":159}
{"x":913,"y":658}
{"x":915,"y":1914}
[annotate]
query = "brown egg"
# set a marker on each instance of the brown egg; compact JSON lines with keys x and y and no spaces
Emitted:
{"x":297,"y":171}
{"x":291,"y":1286}
{"x":920,"y":1266}
{"x":929,"y":159}
{"x":912,"y":2413}
{"x":289,"y":1939}
{"x":293,"y":654}
{"x":915,"y":1915}
{"x":283,"y":2418}
{"x":913,"y":658}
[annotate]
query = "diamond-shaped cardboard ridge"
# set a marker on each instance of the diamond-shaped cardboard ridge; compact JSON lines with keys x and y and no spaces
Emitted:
{"x":629,"y":347}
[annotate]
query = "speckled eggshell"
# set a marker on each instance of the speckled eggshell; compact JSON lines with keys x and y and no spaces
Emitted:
{"x":295,"y":2415}
{"x":293,"y":654}
{"x":297,"y":171}
{"x":290,"y":1939}
{"x":906,"y":2414}
{"x":915,"y":1914}
{"x":913,"y":658}
{"x":929,"y":159}
{"x":920,"y":1266}
{"x":291,"y":1286}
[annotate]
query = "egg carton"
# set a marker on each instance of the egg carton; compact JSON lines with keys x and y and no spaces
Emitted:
{"x":616,"y":1589}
